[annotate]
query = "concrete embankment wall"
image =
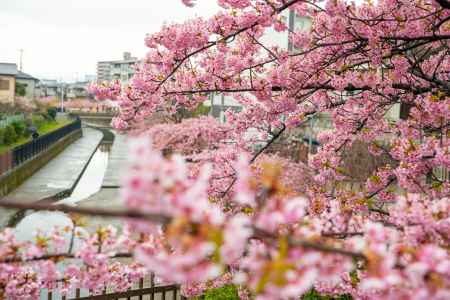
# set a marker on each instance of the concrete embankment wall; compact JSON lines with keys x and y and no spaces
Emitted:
{"x":14,"y":178}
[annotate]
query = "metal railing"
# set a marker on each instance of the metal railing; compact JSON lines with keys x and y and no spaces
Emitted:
{"x":28,"y":150}
{"x":18,"y":155}
{"x":145,"y":288}
{"x":107,"y":112}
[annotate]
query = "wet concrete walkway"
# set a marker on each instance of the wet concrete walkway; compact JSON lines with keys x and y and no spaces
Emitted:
{"x":59,"y":175}
{"x":109,"y":194}
{"x":116,"y":163}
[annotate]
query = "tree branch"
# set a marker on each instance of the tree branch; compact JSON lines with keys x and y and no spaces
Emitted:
{"x":133,"y":214}
{"x":223,"y":39}
{"x":444,"y":3}
{"x":56,"y":256}
{"x":262,"y":234}
{"x":255,"y":156}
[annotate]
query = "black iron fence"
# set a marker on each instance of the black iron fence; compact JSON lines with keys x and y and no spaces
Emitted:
{"x":22,"y":153}
{"x":145,"y":289}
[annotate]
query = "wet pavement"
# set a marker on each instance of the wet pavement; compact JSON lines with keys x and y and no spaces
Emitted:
{"x":109,"y":194}
{"x":100,"y":166}
{"x":116,"y":163}
{"x":59,"y":175}
{"x":90,"y":182}
{"x":105,"y":164}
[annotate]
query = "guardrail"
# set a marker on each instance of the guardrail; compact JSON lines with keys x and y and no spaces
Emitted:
{"x":145,"y":288}
{"x":81,"y":114}
{"x":18,"y":155}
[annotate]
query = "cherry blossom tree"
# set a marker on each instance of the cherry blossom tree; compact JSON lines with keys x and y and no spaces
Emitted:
{"x":219,"y":210}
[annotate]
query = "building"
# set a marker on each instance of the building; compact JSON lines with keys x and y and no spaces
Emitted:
{"x":220,"y":103}
{"x":29,"y":83}
{"x":103,"y":71}
{"x":15,"y":83}
{"x":77,"y":90}
{"x":48,"y":88}
{"x":122,"y":70}
{"x":8,"y":73}
{"x":90,"y":78}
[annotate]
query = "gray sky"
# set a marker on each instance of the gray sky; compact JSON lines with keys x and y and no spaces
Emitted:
{"x":66,"y":38}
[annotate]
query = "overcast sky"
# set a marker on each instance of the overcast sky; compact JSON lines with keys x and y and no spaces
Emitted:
{"x":66,"y":38}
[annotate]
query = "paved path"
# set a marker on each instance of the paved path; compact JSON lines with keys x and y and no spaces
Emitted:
{"x":109,"y":195}
{"x":60,"y":174}
{"x":116,"y":163}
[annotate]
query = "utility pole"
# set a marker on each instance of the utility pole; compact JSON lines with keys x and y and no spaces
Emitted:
{"x":311,"y":130}
{"x":62,"y":97}
{"x":21,"y":60}
{"x":222,"y":108}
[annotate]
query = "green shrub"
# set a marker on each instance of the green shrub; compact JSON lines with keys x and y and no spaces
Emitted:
{"x":10,"y":135}
{"x":45,"y":116}
{"x":27,"y":132}
{"x":21,"y":89}
{"x":227,"y":292}
{"x":38,"y":121}
{"x":20,"y":128}
{"x":2,"y":136}
{"x":51,"y":112}
{"x":314,"y":295}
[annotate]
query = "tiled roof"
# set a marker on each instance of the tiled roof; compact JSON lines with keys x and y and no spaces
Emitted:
{"x":23,"y":75}
{"x":8,"y":69}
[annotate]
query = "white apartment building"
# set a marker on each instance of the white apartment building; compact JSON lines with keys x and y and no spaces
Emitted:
{"x":117,"y":69}
{"x":103,"y":71}
{"x":220,"y":103}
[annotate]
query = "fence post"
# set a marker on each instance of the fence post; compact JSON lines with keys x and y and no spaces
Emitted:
{"x":152,"y":285}
{"x":141,"y":286}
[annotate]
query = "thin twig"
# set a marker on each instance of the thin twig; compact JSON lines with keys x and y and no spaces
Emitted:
{"x":56,"y":256}
{"x":262,"y":234}
{"x":255,"y":156}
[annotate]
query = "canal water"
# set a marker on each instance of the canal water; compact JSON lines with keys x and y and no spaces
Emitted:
{"x":44,"y":222}
{"x":92,"y":178}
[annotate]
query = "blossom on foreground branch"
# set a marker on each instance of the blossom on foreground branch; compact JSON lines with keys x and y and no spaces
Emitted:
{"x":274,"y":247}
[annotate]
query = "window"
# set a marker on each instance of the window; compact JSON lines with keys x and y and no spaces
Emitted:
{"x":4,"y":84}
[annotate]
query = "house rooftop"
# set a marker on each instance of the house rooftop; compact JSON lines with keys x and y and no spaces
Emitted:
{"x":8,"y":69}
{"x":23,"y":75}
{"x":125,"y":61}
